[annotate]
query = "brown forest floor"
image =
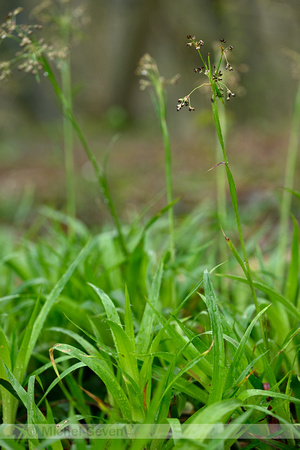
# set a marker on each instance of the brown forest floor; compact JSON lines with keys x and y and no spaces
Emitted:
{"x":34,"y":167}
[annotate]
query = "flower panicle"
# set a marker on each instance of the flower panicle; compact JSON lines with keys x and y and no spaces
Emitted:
{"x":28,"y":56}
{"x":148,"y":69}
{"x":213,"y":73}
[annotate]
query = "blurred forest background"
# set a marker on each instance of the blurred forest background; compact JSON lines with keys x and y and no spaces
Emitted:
{"x":111,"y":37}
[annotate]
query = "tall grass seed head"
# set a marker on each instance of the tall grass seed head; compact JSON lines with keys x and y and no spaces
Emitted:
{"x":61,"y":16}
{"x":31,"y":49}
{"x":147,"y":68}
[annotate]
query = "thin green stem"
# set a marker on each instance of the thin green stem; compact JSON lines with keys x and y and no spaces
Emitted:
{"x":68,"y":140}
{"x":221,"y":176}
{"x":168,"y":172}
{"x":66,"y":82}
{"x":198,"y":87}
{"x":101,"y":178}
{"x":233,"y":195}
{"x":288,"y":183}
{"x":162,"y":116}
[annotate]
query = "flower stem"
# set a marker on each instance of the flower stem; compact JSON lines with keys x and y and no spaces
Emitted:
{"x":233,"y":195}
{"x":288,"y":183}
{"x":101,"y":178}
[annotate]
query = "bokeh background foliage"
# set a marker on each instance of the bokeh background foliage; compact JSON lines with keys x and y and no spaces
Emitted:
{"x":109,"y":39}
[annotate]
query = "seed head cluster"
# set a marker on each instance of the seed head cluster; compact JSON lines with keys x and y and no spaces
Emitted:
{"x":30,"y":49}
{"x":213,"y":73}
{"x":148,"y":69}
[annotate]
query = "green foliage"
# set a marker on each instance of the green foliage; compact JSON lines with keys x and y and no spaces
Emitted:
{"x":185,"y":359}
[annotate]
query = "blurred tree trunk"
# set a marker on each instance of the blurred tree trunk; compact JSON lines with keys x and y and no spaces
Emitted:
{"x":129,"y":33}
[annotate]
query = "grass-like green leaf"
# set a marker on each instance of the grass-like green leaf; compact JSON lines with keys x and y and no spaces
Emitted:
{"x":100,"y":368}
{"x":145,"y":331}
{"x":125,"y":349}
{"x":292,"y":282}
{"x":128,"y":322}
{"x":9,"y":444}
{"x":83,"y":342}
{"x":232,"y":372}
{"x":110,"y":309}
{"x":208,"y":416}
{"x":257,"y":392}
{"x":217,"y":383}
{"x":30,"y":340}
{"x":272,"y":293}
{"x":66,"y":372}
{"x":7,"y":401}
{"x":24,"y":396}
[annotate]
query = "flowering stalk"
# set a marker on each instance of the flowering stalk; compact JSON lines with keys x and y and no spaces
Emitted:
{"x":218,"y":88}
{"x":34,"y":57}
{"x":148,"y":68}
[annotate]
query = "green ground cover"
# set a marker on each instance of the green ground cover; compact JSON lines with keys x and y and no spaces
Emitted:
{"x":165,"y":332}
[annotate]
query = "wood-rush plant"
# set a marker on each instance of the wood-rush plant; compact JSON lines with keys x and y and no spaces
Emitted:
{"x":36,"y":56}
{"x":218,"y":89}
{"x":66,"y":18}
{"x":148,"y":69}
{"x":186,"y":376}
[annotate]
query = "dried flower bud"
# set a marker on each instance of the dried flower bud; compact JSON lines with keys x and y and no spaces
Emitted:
{"x":25,"y":41}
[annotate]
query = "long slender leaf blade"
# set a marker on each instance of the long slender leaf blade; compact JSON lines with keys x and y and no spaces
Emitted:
{"x":56,"y":445}
{"x":274,"y":295}
{"x":231,"y":375}
{"x":89,"y":348}
{"x":128,"y":322}
{"x":204,"y":368}
{"x":31,"y":419}
{"x":208,"y":417}
{"x":128,"y":364}
{"x":125,"y":350}
{"x":292,"y":191}
{"x":23,"y":395}
{"x":110,"y":309}
{"x":145,"y":331}
{"x":258,"y":392}
{"x":61,"y":376}
{"x":218,"y":349}
{"x":7,"y":400}
{"x":9,"y":445}
{"x":20,"y":364}
{"x":23,"y":359}
{"x":104,"y":373}
{"x":292,"y":282}
{"x":166,"y":396}
{"x":195,"y":339}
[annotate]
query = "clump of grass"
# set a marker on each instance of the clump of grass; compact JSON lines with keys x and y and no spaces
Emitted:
{"x":168,"y":377}
{"x":218,"y":88}
{"x":34,"y":56}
